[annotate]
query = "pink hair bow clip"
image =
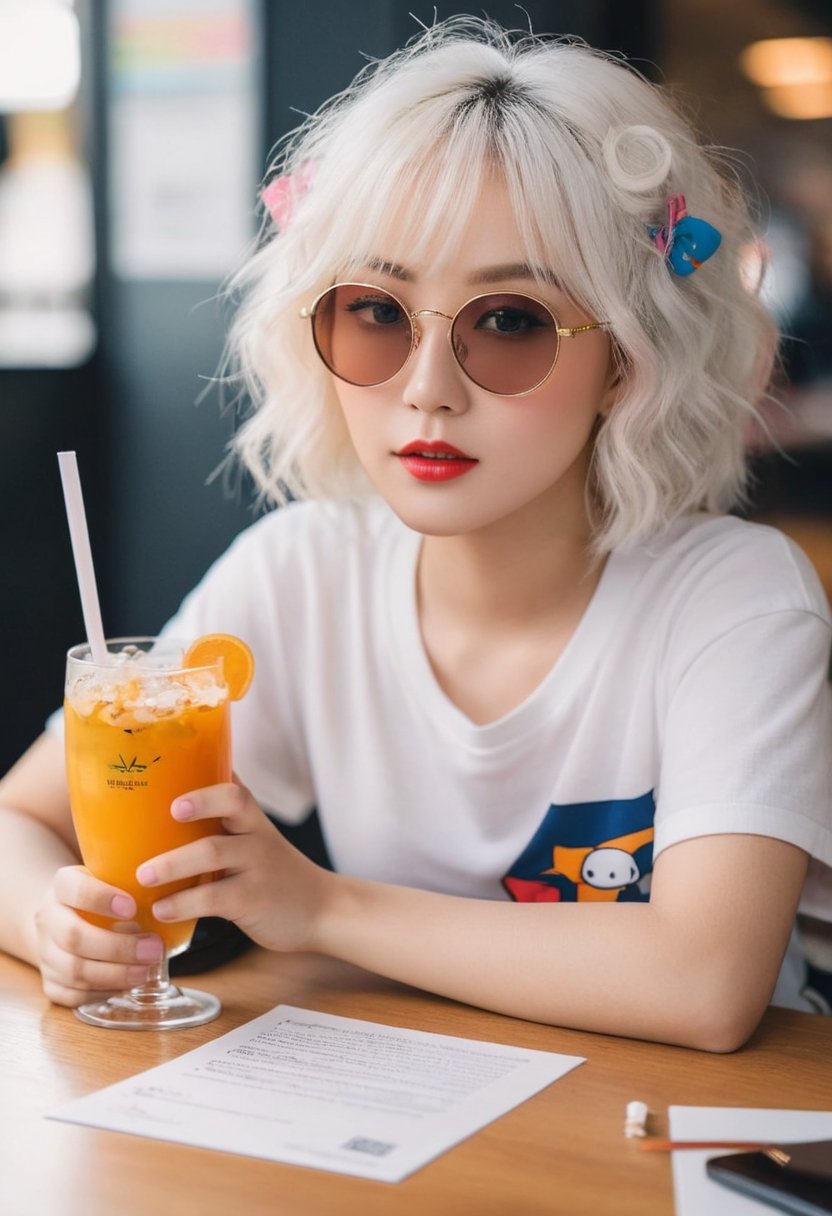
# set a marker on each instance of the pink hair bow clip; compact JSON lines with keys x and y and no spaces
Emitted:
{"x":282,"y":194}
{"x":685,"y":240}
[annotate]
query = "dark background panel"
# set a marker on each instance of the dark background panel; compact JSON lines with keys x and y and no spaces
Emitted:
{"x":41,"y":413}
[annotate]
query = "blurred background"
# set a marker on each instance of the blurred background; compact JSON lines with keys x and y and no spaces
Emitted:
{"x":133,"y":134}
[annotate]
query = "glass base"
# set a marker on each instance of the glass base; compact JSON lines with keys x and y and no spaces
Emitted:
{"x":166,"y":1009}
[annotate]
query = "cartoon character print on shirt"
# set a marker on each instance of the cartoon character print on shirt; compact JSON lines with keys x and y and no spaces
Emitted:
{"x":588,"y":852}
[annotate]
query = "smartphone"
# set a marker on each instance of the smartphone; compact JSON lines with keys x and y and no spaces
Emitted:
{"x":794,"y":1178}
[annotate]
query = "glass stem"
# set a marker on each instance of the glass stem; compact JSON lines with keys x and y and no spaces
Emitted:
{"x":157,"y":987}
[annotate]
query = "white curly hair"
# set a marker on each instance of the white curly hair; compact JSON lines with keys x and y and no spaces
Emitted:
{"x":590,"y":152}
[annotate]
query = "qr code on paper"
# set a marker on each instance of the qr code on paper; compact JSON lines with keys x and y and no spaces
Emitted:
{"x":363,"y":1144}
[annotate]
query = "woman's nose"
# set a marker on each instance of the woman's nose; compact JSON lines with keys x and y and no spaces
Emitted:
{"x":434,"y":380}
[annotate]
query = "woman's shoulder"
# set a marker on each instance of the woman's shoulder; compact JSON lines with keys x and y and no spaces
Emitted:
{"x":727,"y":560}
{"x":303,"y":532}
{"x":281,"y":563}
{"x":740,"y":592}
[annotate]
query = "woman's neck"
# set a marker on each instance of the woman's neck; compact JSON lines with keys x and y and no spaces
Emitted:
{"x":498,"y":608}
{"x":513,"y":573}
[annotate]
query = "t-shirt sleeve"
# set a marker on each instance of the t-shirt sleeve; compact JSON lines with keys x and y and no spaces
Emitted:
{"x":748,"y":736}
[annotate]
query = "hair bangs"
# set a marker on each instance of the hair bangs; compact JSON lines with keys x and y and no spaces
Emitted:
{"x":549,"y":212}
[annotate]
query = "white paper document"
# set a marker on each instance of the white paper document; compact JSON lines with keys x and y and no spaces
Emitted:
{"x":334,"y":1093}
{"x":695,"y":1193}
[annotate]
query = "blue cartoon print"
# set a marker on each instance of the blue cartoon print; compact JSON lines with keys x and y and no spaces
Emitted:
{"x":588,"y":852}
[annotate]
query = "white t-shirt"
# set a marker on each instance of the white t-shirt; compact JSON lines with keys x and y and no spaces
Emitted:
{"x":692,"y":699}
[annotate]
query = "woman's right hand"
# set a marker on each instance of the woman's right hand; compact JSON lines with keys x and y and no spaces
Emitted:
{"x":80,"y":961}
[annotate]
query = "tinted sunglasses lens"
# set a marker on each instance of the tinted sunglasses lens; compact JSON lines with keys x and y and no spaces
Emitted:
{"x":506,"y":343}
{"x":363,"y":334}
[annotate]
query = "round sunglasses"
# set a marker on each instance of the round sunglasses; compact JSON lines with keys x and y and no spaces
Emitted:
{"x":506,"y":343}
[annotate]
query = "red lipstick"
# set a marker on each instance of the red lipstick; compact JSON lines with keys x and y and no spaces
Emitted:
{"x":433,"y":460}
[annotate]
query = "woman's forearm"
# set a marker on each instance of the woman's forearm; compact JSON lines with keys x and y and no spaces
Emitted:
{"x":36,"y":839}
{"x":525,"y":960}
{"x":30,"y":853}
{"x":696,"y":965}
{"x":647,"y":970}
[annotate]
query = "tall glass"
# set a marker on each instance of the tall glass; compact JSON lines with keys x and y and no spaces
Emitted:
{"x":142,"y":729}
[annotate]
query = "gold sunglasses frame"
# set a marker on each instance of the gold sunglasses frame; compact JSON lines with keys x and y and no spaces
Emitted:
{"x":308,"y":313}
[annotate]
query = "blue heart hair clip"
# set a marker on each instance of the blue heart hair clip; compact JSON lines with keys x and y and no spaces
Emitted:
{"x":685,"y":240}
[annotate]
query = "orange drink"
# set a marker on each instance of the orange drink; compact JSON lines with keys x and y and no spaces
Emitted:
{"x":137,"y":736}
{"x":147,"y":723}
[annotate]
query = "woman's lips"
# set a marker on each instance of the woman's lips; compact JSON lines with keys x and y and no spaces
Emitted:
{"x":432,"y":460}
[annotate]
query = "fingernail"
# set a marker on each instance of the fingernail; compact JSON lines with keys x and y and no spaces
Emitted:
{"x":122,"y":906}
{"x":149,"y":949}
{"x":136,"y":975}
{"x":162,"y":909}
{"x":147,"y":875}
{"x":183,"y":808}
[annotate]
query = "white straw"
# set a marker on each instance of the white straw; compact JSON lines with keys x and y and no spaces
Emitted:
{"x":79,"y":534}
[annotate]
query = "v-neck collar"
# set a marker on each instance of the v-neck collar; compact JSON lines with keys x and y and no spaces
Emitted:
{"x":572,"y":667}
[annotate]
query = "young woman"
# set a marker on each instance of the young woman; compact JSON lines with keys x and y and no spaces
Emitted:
{"x":565,"y":721}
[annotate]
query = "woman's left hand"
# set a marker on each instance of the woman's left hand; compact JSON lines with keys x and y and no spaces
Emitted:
{"x":258,"y":880}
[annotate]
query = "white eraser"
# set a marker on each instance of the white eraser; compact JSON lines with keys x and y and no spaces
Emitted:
{"x":636,"y":1119}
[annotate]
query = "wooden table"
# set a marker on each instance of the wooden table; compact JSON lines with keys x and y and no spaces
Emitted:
{"x":563,"y":1151}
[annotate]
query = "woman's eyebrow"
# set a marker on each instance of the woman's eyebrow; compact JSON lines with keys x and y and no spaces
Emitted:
{"x":500,"y":273}
{"x":513,"y":270}
{"x":392,"y":269}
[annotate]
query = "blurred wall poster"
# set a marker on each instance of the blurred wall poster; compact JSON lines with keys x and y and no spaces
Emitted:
{"x":184,"y":148}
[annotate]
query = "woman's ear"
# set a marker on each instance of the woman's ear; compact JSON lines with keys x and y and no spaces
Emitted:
{"x":611,"y":395}
{"x":615,"y":383}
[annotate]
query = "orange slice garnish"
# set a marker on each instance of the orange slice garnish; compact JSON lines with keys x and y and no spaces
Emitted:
{"x":237,"y":660}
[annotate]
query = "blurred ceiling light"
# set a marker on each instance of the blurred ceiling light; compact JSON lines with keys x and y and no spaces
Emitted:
{"x":794,"y":74}
{"x":801,"y":100}
{"x":784,"y":61}
{"x":40,"y":55}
